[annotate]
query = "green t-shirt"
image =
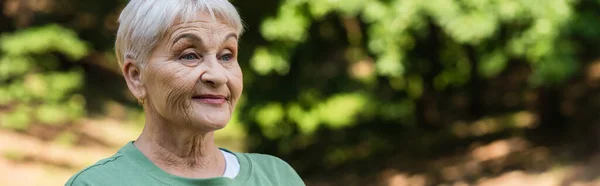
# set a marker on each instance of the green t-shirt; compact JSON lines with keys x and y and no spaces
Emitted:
{"x":130,"y":167}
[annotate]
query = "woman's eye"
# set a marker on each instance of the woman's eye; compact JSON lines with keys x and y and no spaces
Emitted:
{"x":226,"y":57}
{"x":189,"y":56}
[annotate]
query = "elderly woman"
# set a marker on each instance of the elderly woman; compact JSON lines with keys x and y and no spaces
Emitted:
{"x":179,"y":58}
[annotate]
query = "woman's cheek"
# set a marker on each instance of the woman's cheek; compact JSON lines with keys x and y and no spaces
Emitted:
{"x":174,"y":89}
{"x":180,"y":94}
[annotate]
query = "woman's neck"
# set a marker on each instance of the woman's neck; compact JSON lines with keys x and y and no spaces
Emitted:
{"x":181,"y":151}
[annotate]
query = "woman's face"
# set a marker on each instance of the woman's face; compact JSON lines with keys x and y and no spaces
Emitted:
{"x":192,"y":77}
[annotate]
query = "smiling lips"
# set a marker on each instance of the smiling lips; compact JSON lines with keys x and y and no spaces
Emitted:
{"x":210,"y":99}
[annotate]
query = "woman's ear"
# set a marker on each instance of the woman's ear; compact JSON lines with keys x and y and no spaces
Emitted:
{"x":133,"y":76}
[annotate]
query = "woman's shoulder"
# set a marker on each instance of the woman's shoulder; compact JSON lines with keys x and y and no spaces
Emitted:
{"x":117,"y":169}
{"x":96,"y":172}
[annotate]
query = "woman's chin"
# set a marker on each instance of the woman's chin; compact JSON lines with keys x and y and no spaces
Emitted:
{"x":210,"y":117}
{"x":209,"y":123}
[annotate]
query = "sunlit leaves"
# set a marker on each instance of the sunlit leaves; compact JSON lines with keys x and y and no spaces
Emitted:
{"x":33,"y":87}
{"x":464,"y":36}
{"x":268,"y":117}
{"x":374,"y":11}
{"x":19,"y":119}
{"x":402,"y":16}
{"x":307,"y":121}
{"x":265,"y":61}
{"x":289,"y":25}
{"x":509,"y":10}
{"x":14,"y":66}
{"x":340,"y":110}
{"x":389,"y":64}
{"x":336,"y":112}
{"x":465,"y":21}
{"x":461,"y":28}
{"x":470,"y":25}
{"x":57,"y":114}
{"x":44,"y":39}
{"x":349,"y":7}
{"x":319,"y":8}
{"x":492,"y":64}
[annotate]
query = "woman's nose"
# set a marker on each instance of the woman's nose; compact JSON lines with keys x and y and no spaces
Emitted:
{"x":214,"y":74}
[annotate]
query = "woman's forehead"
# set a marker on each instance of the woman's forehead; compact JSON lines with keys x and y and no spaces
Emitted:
{"x":203,"y":25}
{"x":202,"y":31}
{"x":201,"y":20}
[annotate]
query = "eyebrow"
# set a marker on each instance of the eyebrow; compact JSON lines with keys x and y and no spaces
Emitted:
{"x":230,"y":35}
{"x":197,"y":39}
{"x":192,"y":37}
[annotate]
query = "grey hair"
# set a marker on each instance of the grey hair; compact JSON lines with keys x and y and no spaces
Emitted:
{"x":143,"y":23}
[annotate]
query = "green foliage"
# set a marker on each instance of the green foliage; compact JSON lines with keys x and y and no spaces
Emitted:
{"x":414,"y":44}
{"x":268,"y":119}
{"x":464,"y":21}
{"x":336,"y":112}
{"x":265,"y":61}
{"x":402,"y":111}
{"x":280,"y":28}
{"x":18,"y":119}
{"x":33,"y":86}
{"x":341,"y":110}
{"x":492,"y":64}
{"x":42,"y":40}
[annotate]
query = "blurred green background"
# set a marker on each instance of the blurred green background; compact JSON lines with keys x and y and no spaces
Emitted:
{"x":349,"y":92}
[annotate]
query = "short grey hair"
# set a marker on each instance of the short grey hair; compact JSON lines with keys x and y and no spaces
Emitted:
{"x":143,"y":23}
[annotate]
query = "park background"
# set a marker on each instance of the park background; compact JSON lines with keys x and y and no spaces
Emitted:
{"x":349,"y":92}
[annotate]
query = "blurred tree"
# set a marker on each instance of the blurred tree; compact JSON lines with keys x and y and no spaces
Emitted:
{"x":334,"y":64}
{"x":34,"y":84}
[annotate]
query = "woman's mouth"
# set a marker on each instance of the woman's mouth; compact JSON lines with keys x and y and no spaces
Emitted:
{"x":210,"y":99}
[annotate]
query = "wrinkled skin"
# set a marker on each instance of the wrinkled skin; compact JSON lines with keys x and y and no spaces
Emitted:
{"x":190,"y":84}
{"x":199,"y":57}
